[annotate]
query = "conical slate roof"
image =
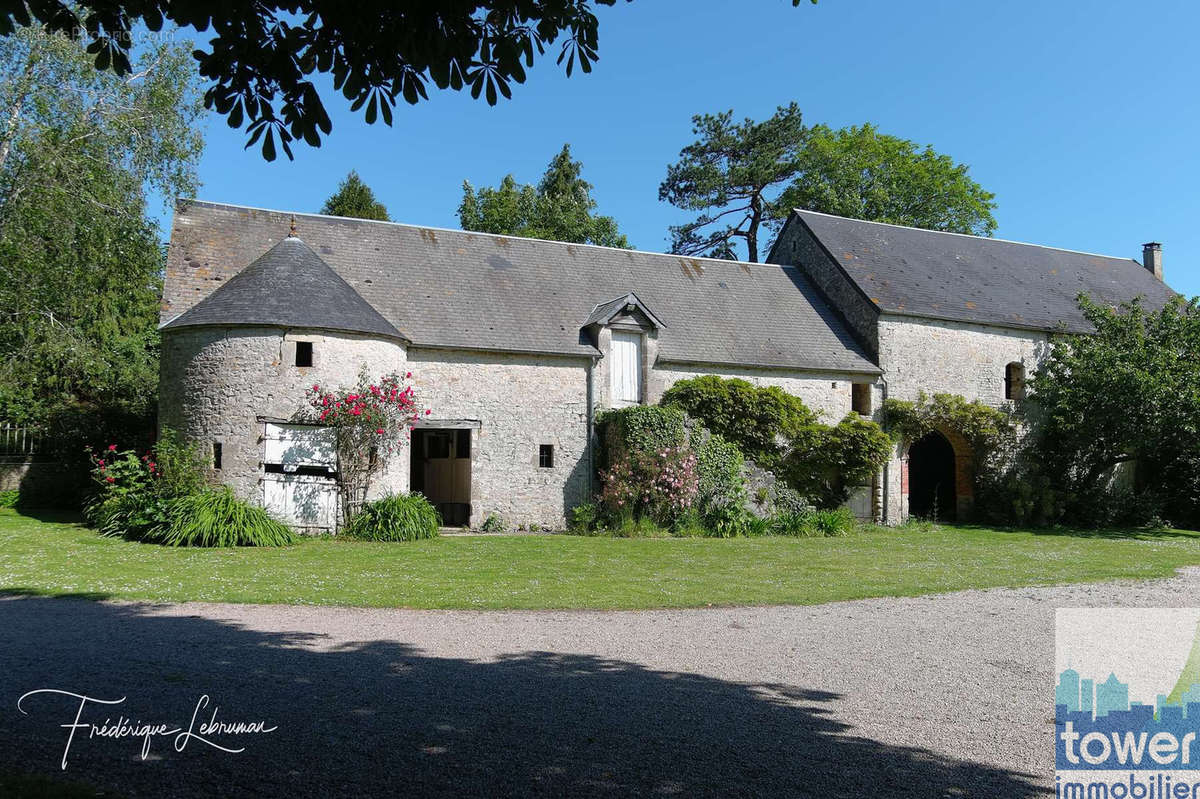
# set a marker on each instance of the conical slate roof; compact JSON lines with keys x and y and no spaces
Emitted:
{"x":288,"y":286}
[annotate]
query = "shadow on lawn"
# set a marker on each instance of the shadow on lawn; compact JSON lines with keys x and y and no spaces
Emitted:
{"x":381,"y":718}
{"x":1136,"y":534}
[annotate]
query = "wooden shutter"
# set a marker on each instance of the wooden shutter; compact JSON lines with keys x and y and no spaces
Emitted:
{"x":625,"y":372}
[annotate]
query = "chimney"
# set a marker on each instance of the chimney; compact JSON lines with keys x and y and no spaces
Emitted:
{"x":1152,"y":258}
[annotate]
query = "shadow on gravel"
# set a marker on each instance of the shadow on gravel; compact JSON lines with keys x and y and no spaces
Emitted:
{"x":382,"y":719}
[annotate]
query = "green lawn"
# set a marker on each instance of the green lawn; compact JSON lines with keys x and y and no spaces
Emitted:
{"x":49,"y":557}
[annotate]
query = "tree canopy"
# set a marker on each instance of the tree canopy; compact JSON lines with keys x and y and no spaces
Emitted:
{"x":354,"y":198}
{"x":560,"y":207}
{"x":862,"y":173}
{"x":79,"y":260}
{"x":1130,"y":394}
{"x":745,"y":177}
{"x":262,"y":55}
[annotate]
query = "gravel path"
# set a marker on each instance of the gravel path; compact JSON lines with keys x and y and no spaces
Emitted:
{"x":929,"y":697}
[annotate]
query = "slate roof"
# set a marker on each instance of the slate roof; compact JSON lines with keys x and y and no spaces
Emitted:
{"x":289,"y":286}
{"x":456,"y":289}
{"x":605,"y":311}
{"x":914,"y":272}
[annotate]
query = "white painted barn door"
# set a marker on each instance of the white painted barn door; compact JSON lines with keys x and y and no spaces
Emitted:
{"x":625,"y":371}
{"x":295,"y":490}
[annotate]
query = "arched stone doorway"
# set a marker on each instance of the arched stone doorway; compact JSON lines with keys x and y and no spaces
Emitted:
{"x":933,"y":478}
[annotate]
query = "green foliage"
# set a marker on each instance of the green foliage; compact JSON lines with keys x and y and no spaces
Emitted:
{"x":398,"y":517}
{"x":133,"y":494}
{"x":861,"y":173}
{"x":559,"y":208}
{"x":983,"y":426}
{"x":8,"y":499}
{"x":830,"y":523}
{"x":639,"y":428}
{"x":731,"y":169}
{"x":756,"y":172}
{"x":756,"y":419}
{"x":780,"y":433}
{"x":79,"y":152}
{"x":823,"y":462}
{"x":260,"y":57}
{"x":355,"y":199}
{"x":719,"y":468}
{"x":656,"y":484}
{"x":1129,"y":394}
{"x":216,"y":518}
{"x":494,"y":523}
{"x":583,"y":518}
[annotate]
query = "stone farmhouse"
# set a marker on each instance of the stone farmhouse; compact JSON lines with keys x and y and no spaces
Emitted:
{"x":516,"y":344}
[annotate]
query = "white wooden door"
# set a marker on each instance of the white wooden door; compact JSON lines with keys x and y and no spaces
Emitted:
{"x":625,"y":371}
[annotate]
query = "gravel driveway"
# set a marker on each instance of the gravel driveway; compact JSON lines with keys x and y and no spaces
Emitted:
{"x":936,"y":696}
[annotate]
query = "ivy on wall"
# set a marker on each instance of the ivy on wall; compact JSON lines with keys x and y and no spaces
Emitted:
{"x":985,"y":428}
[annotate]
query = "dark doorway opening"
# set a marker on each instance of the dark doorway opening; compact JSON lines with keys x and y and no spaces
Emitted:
{"x":441,"y":470}
{"x":931,"y":479}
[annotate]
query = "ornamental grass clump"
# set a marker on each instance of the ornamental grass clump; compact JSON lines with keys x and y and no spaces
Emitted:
{"x":398,"y":517}
{"x":216,"y":518}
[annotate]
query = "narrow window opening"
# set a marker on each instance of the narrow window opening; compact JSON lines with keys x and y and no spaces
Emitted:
{"x":216,"y":454}
{"x":860,"y":398}
{"x":304,"y":353}
{"x":1014,"y":381}
{"x":546,"y":456}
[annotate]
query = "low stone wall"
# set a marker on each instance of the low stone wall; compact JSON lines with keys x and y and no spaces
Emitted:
{"x":41,"y":483}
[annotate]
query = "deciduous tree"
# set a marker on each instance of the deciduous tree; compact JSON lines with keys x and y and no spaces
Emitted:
{"x":261,"y":56}
{"x":1130,"y":393}
{"x":80,"y":262}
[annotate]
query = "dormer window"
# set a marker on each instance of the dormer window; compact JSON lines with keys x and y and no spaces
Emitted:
{"x":625,"y":371}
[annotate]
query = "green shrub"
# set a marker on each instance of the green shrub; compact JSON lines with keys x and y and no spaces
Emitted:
{"x":797,"y":524}
{"x":638,"y":429}
{"x":813,"y":523}
{"x":834,"y":522}
{"x":823,"y":462}
{"x":583,"y":518}
{"x":755,"y":419}
{"x":494,"y":523}
{"x":132,"y":494}
{"x":719,"y":468}
{"x":216,"y":518}
{"x":8,"y":499}
{"x":398,"y":517}
{"x":659,"y":484}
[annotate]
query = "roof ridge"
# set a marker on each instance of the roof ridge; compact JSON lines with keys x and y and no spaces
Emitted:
{"x":480,"y":233}
{"x":966,"y":235}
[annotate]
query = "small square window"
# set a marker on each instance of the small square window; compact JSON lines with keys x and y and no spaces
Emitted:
{"x":546,"y":456}
{"x":216,"y":454}
{"x":304,"y":353}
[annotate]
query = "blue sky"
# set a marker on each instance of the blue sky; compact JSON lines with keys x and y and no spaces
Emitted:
{"x":1081,"y":117}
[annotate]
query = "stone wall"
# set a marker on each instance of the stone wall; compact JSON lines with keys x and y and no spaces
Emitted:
{"x":520,"y":402}
{"x":953,"y":358}
{"x":216,"y":383}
